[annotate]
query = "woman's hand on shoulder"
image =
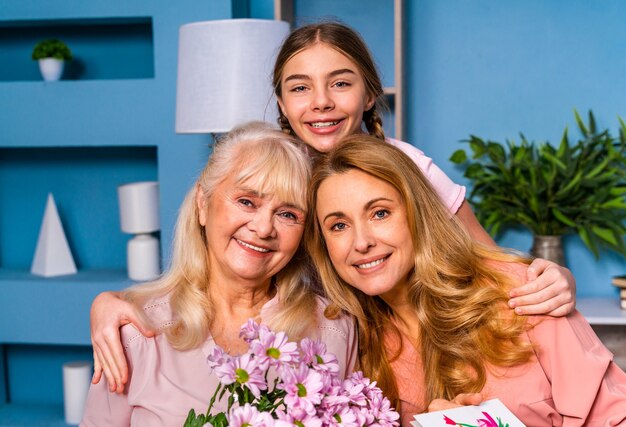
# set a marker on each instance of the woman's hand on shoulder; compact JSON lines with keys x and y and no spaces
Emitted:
{"x":550,"y":289}
{"x":463,"y":399}
{"x":108,"y":314}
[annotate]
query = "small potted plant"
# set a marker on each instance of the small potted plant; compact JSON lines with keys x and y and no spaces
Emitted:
{"x":552,"y":191}
{"x":51,"y":54}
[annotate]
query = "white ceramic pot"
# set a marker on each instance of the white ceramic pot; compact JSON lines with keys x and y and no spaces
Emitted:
{"x":142,"y":258}
{"x":51,"y":69}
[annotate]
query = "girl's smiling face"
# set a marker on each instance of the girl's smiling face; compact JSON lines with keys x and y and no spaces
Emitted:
{"x":323,"y":96}
{"x":364,"y":224}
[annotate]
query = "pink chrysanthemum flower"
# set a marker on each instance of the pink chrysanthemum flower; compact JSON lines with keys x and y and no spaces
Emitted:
{"x":249,"y":416}
{"x":273,"y":349}
{"x":341,"y":416}
{"x":249,"y":331}
{"x":303,"y":387}
{"x":298,"y":420}
{"x":218,"y":357}
{"x":355,"y":392}
{"x":315,"y":354}
{"x":243,"y":370}
{"x":380,"y":409}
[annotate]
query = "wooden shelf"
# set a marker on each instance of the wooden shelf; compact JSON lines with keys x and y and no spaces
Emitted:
{"x":602,"y":310}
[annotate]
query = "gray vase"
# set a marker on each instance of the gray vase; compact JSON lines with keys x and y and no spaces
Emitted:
{"x":548,"y":247}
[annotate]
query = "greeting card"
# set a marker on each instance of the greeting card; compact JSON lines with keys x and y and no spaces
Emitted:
{"x":491,"y":413}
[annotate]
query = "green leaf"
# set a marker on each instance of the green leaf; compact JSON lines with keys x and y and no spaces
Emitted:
{"x":458,"y":157}
{"x":561,"y":217}
{"x":604,"y":234}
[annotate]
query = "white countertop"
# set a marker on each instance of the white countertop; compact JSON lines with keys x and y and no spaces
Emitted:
{"x":601,"y":310}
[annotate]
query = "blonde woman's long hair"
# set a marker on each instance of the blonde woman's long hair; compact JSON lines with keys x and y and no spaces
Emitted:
{"x":458,"y":298}
{"x":265,"y":159}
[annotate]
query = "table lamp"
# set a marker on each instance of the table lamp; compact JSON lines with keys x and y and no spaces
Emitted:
{"x":224,"y":73}
{"x":139,"y":215}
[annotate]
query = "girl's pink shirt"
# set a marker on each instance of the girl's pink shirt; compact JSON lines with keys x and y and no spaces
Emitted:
{"x":166,"y":383}
{"x":571,"y":381}
{"x":451,"y":194}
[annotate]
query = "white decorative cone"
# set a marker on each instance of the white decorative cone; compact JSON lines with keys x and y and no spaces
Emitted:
{"x":52,"y":256}
{"x":51,"y":69}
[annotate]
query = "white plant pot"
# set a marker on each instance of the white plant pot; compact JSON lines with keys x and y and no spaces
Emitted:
{"x":51,"y":69}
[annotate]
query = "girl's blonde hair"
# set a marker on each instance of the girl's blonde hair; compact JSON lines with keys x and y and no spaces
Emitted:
{"x":457,"y":297}
{"x":349,"y":43}
{"x":265,"y":159}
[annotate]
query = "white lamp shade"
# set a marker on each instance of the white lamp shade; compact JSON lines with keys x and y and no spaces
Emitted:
{"x":139,"y":207}
{"x":225,"y":72}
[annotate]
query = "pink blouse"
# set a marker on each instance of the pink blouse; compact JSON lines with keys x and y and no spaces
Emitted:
{"x":571,"y":381}
{"x":451,"y":194}
{"x":165,"y":383}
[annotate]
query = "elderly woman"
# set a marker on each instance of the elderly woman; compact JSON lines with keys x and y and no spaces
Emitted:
{"x":237,"y":255}
{"x":431,"y":304}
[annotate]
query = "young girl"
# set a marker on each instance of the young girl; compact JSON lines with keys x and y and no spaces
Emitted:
{"x":327,"y":87}
{"x":430,"y":302}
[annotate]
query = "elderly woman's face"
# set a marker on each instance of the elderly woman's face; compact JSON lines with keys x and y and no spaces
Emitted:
{"x":250,"y":236}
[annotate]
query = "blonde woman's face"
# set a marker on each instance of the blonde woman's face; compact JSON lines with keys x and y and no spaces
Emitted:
{"x":323,"y":96}
{"x":364,"y":224}
{"x":250,"y":236}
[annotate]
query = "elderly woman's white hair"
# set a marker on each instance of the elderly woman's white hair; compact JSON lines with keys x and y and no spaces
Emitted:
{"x":269,"y":161}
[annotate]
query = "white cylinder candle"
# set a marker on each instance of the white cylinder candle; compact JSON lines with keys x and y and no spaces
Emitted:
{"x":139,"y":207}
{"x":76,"y":381}
{"x":143,"y":260}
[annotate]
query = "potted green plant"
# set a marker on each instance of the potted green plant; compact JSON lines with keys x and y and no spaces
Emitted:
{"x":552,"y":191}
{"x":51,"y":54}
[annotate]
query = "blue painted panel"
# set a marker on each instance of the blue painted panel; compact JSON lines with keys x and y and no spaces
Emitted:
{"x":3,"y":375}
{"x":262,"y":9}
{"x":109,"y":115}
{"x":36,"y":372}
{"x":52,"y":310}
{"x":497,"y":68}
{"x":26,"y":415}
{"x":373,"y":19}
{"x":101,"y":49}
{"x":84,"y":184}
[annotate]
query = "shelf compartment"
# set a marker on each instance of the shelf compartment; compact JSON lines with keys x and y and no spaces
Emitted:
{"x":64,"y":302}
{"x":83,"y":181}
{"x":103,"y":49}
{"x":18,"y":415}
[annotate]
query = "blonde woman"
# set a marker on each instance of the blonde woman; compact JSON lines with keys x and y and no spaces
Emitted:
{"x":431,"y":303}
{"x":237,"y":255}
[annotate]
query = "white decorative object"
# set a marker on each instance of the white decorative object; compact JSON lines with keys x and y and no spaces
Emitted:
{"x":51,"y":69}
{"x":224,"y":73}
{"x":52,"y":256}
{"x":76,"y":381}
{"x":139,"y":215}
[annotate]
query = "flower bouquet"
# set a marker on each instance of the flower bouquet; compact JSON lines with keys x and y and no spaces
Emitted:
{"x":279,"y":383}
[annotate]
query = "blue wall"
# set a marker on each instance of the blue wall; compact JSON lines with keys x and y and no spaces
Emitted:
{"x":96,"y":132}
{"x":486,"y":67}
{"x":495,"y":68}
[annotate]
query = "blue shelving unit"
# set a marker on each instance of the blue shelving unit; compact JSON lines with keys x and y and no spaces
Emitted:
{"x":108,"y":122}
